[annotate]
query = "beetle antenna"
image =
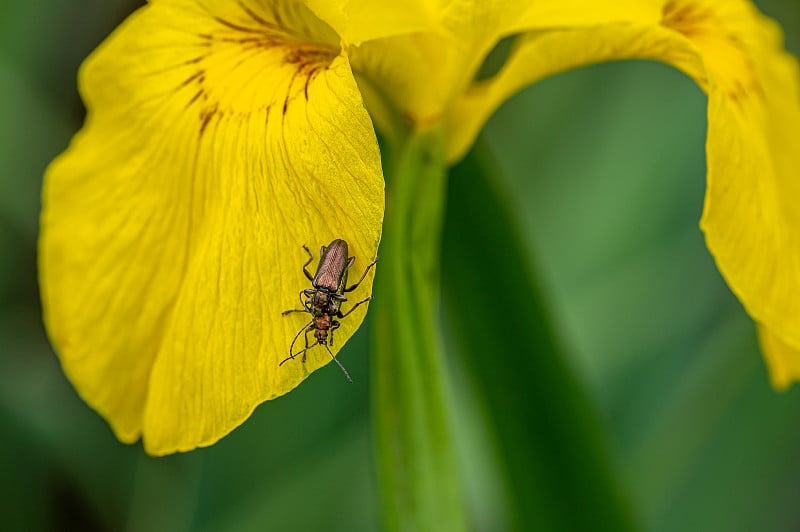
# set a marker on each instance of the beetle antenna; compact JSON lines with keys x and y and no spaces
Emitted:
{"x":339,"y":364}
{"x":292,"y":357}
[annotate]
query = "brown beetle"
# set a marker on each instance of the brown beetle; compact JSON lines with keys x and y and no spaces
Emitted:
{"x":324,"y":300}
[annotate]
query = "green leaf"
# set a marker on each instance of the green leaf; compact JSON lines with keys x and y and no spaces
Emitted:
{"x":550,"y":444}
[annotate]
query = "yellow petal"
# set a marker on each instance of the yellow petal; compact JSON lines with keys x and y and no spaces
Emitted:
{"x":357,"y":21}
{"x":409,"y":76}
{"x":416,"y":71}
{"x":751,"y":218}
{"x":547,"y":51}
{"x":783,"y":360}
{"x":414,"y":58}
{"x":220,"y":138}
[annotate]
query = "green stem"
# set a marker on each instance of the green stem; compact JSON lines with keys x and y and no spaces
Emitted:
{"x":416,"y":464}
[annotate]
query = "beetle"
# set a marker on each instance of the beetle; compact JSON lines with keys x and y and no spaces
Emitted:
{"x":325,"y":297}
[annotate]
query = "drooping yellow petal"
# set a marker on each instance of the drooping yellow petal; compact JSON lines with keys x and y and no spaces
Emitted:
{"x":783,"y":361}
{"x":546,"y":51}
{"x":751,"y":218}
{"x":220,"y":138}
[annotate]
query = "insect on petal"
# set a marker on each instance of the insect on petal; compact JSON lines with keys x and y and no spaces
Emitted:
{"x":220,"y":138}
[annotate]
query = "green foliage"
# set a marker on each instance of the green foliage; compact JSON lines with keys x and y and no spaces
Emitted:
{"x":550,"y":444}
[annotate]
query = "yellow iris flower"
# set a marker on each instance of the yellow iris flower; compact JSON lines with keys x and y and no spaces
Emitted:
{"x":222,"y":135}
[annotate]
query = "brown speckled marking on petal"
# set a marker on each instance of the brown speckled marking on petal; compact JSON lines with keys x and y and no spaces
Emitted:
{"x":708,"y":30}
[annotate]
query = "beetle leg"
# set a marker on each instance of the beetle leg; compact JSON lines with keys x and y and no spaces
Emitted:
{"x":287,"y":312}
{"x":306,"y":328}
{"x":369,"y":266}
{"x":334,"y":325}
{"x":365,"y":300}
{"x":310,"y":258}
{"x":306,"y":307}
{"x":306,"y":303}
{"x":309,"y":328}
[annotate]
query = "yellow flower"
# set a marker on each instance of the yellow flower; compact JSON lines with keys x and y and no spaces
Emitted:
{"x":220,"y":138}
{"x":223,"y":135}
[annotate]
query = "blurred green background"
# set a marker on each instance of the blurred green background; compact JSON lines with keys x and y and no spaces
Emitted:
{"x":603,"y":173}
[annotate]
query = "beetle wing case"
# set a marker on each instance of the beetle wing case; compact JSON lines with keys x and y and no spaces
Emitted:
{"x":332,"y":270}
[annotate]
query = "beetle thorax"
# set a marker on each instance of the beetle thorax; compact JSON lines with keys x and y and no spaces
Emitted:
{"x":320,"y":302}
{"x":324,"y":302}
{"x":320,"y":299}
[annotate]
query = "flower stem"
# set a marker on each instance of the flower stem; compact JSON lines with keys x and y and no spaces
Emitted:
{"x":416,"y":461}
